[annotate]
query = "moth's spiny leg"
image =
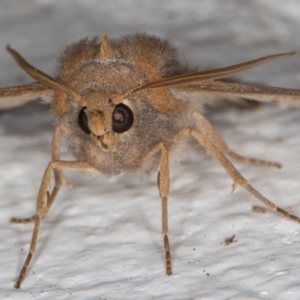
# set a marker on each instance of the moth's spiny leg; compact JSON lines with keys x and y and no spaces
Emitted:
{"x":22,"y":221}
{"x":59,"y":178}
{"x":37,"y":221}
{"x":163,"y":181}
{"x":164,"y":205}
{"x":271,"y":205}
{"x":254,"y":161}
{"x":41,"y":206}
{"x":238,"y":179}
{"x":205,"y":128}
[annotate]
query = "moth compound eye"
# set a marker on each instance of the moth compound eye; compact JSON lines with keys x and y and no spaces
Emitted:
{"x":122,"y":118}
{"x":83,"y":121}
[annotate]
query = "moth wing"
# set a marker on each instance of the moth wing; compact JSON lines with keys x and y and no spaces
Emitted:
{"x":206,"y":90}
{"x":15,"y":96}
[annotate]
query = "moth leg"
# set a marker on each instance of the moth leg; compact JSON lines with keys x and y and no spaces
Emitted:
{"x":59,"y":178}
{"x":238,"y":179}
{"x":163,"y":182}
{"x":205,"y":128}
{"x":41,"y":206}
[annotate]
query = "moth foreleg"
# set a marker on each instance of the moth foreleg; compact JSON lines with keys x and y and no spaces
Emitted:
{"x":41,"y":206}
{"x":59,"y":178}
{"x":163,"y":182}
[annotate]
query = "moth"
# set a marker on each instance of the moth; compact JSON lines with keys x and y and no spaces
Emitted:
{"x":129,"y":105}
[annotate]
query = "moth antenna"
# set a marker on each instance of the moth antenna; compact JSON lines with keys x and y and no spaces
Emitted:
{"x":199,"y":77}
{"x":42,"y":77}
{"x":212,"y":74}
{"x":106,"y":51}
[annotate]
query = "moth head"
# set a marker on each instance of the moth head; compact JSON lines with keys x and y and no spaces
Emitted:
{"x":103,"y":121}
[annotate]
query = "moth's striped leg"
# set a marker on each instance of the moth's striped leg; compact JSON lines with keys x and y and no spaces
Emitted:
{"x":238,"y":179}
{"x":163,"y":181}
{"x":207,"y":130}
{"x":41,"y":205}
{"x":59,"y":178}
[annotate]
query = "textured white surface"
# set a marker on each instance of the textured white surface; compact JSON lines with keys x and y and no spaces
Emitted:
{"x":102,"y":239}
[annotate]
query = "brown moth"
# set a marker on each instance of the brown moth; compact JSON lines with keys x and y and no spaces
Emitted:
{"x":127,"y":105}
